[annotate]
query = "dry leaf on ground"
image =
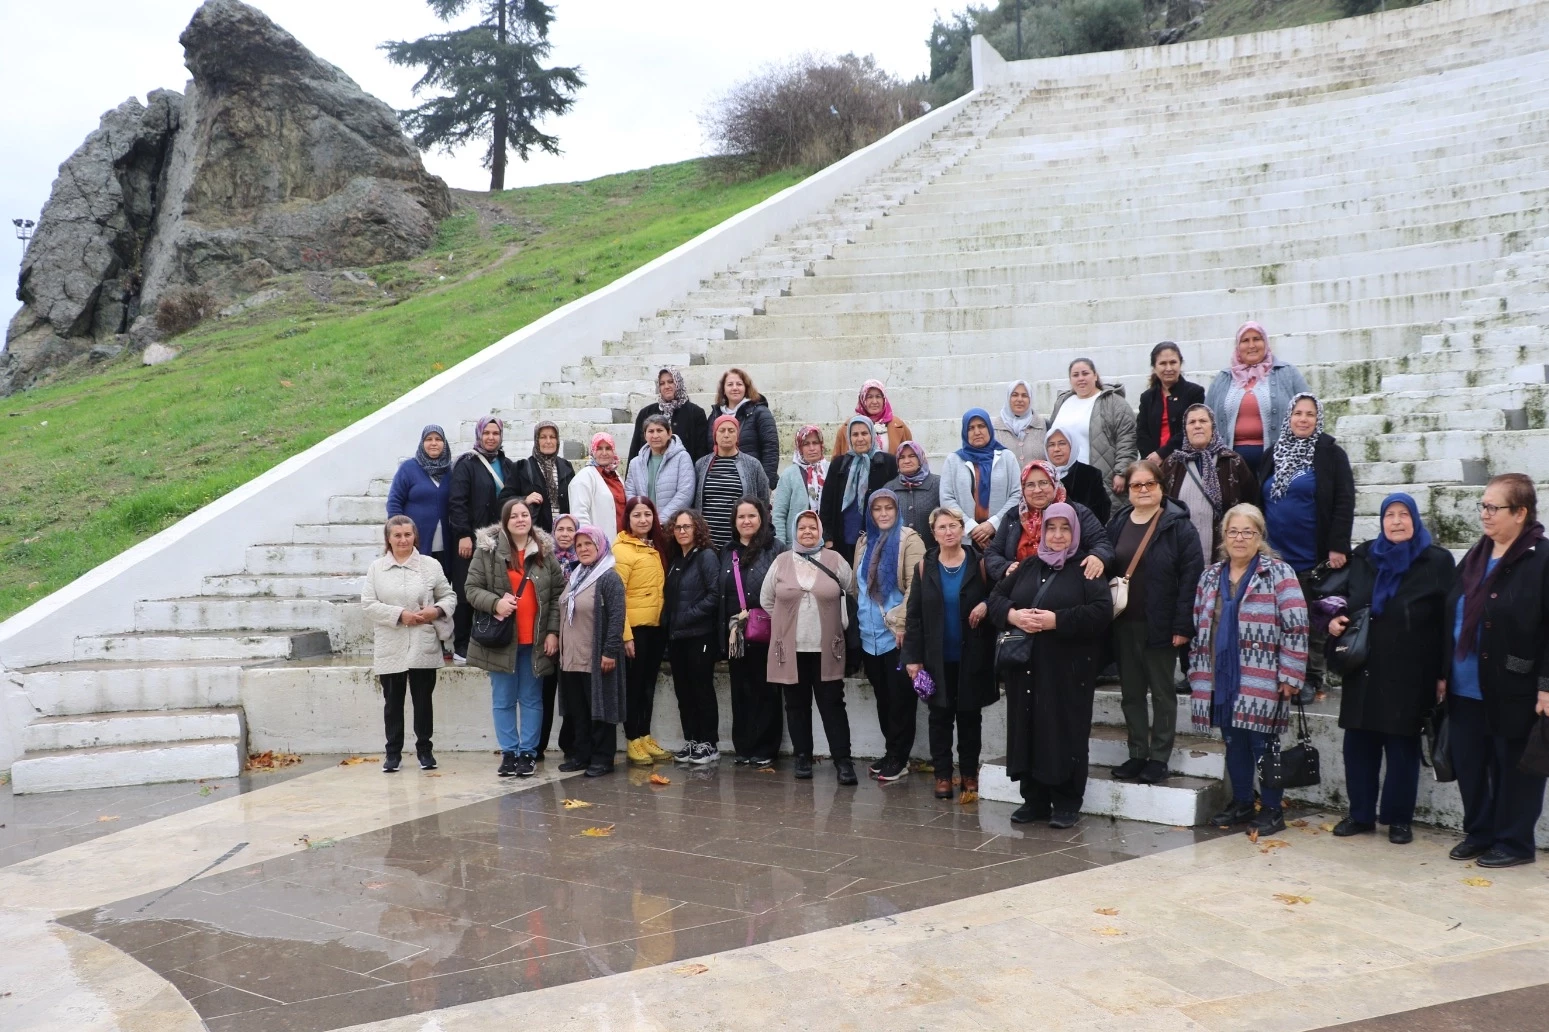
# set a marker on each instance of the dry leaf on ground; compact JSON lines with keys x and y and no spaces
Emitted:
{"x":1298,"y":823}
{"x":1108,"y":930}
{"x":271,"y":760}
{"x":603,"y":832}
{"x":432,"y":774}
{"x":1253,"y":835}
{"x":1107,"y":911}
{"x":968,"y":796}
{"x":107,"y":817}
{"x":1327,"y":827}
{"x":350,"y":761}
{"x":1271,"y":844}
{"x":574,"y":804}
{"x":1290,"y":899}
{"x":1478,"y":883}
{"x":690,"y":969}
{"x":660,"y":779}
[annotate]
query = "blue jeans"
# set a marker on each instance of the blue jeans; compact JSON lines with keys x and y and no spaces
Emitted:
{"x":1243,"y":749}
{"x":521,"y":689}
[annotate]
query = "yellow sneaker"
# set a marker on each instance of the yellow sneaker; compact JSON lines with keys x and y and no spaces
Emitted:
{"x":654,"y":751}
{"x":637,"y":753}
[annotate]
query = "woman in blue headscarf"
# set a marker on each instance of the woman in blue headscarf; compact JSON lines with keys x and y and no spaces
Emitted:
{"x":852,"y":476}
{"x":1403,"y":578}
{"x":886,"y":556}
{"x":980,"y":478}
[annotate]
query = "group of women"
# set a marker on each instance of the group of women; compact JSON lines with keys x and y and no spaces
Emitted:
{"x":1209,"y":528}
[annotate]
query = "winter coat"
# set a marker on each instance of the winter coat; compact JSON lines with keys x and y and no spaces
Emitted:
{"x":1239,"y":484}
{"x":757,"y":436}
{"x":529,"y":480}
{"x":691,"y":597}
{"x":897,"y":433}
{"x":609,"y":627}
{"x":755,"y":484}
{"x":688,"y":425}
{"x":1085,"y":486}
{"x":915,"y":504}
{"x":1335,"y":486}
{"x":831,"y":507}
{"x":1030,"y":447}
{"x":1285,"y":382}
{"x":925,"y":640}
{"x":1148,"y":421}
{"x":911,"y":552}
{"x":753,"y":575}
{"x":674,"y":481}
{"x":1172,"y":564}
{"x":1396,"y":687}
{"x":1513,"y":639}
{"x":592,"y":501}
{"x":1111,"y":435}
{"x":390,"y":588}
{"x":1003,"y":550}
{"x":1272,"y":637}
{"x":957,"y":487}
{"x":639,"y":566}
{"x":790,"y":501}
{"x":488,"y":582}
{"x":415,"y":495}
{"x":1049,"y":703}
{"x":781,"y":596}
{"x":475,"y":498}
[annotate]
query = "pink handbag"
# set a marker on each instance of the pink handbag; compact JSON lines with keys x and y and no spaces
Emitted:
{"x":759,"y":625}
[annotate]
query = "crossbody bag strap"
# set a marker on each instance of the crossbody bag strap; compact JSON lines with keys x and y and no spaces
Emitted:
{"x":499,"y":483}
{"x":831,"y":574}
{"x":1144,"y":544}
{"x":736,"y":572}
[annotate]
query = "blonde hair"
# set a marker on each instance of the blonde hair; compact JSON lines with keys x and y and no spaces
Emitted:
{"x":949,"y":511}
{"x":1251,"y":513}
{"x":387,"y":532}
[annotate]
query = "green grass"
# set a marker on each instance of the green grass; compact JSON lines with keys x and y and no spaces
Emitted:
{"x":102,"y":461}
{"x":1233,"y":17}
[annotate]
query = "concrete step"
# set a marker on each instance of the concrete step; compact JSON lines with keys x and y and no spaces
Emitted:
{"x":180,"y":646}
{"x":117,"y":686}
{"x":1197,"y":756}
{"x":1447,"y":471}
{"x":351,"y":534}
{"x":1180,"y":801}
{"x":114,"y":766}
{"x":94,"y":730}
{"x":324,"y":586}
{"x":220,"y":612}
{"x":310,"y":559}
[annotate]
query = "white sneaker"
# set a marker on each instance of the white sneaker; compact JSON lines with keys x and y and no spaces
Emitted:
{"x":685,"y":754}
{"x":459,"y":660}
{"x":704,"y":752}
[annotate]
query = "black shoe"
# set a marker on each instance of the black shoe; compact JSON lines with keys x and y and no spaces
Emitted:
{"x":1234,"y":814}
{"x":803,"y":767}
{"x":1497,"y":858}
{"x":427,"y":760}
{"x":1063,"y":819}
{"x":391,"y":764}
{"x":526,"y":765}
{"x":597,"y":770}
{"x":1027,"y":813}
{"x":875,"y":767}
{"x":1467,"y":850}
{"x":741,"y":761}
{"x":570,"y":765}
{"x":1348,"y":827}
{"x":892,"y":770}
{"x":1400,"y":834}
{"x":1183,"y":688}
{"x":1129,"y":769}
{"x":1155,"y":773}
{"x":761,"y":763}
{"x":846,"y":772}
{"x":507,"y":765}
{"x":1268,"y":822}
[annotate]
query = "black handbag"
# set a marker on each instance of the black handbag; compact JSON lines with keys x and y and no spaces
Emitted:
{"x":1535,"y":755}
{"x":1324,"y":580}
{"x":1296,"y":767}
{"x":496,"y":632}
{"x":1349,"y":652}
{"x":1013,"y":650}
{"x":1438,"y":732}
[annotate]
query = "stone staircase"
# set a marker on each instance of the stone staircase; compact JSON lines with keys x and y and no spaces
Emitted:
{"x":1381,"y":208}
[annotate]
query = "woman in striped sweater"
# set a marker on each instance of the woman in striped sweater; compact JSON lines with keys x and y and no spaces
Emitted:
{"x":1249,"y":656}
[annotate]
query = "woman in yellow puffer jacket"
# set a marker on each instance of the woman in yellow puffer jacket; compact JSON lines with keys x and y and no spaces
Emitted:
{"x":638,"y":552}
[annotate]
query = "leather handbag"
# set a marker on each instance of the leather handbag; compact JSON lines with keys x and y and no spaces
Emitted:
{"x":1535,"y":756}
{"x":758,"y":626}
{"x":1013,"y":650}
{"x":1119,"y":586}
{"x":496,"y":632}
{"x":1438,"y":734}
{"x":1296,"y":767}
{"x":1324,"y":580}
{"x":1349,"y":652}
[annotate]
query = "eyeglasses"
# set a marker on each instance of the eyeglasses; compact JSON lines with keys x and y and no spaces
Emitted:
{"x":1142,"y":485}
{"x":683,"y":528}
{"x":1486,"y":509}
{"x":1242,"y":535}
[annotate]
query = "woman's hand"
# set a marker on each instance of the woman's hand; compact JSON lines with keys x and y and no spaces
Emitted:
{"x":1046,"y":619}
{"x":629,"y":650}
{"x":505,"y":606}
{"x":1023,"y":620}
{"x":898,"y":636}
{"x":1118,"y":485}
{"x":914,"y":670}
{"x":1441,"y":692}
{"x":465,"y":547}
{"x":1336,"y":560}
{"x":1336,"y":626}
{"x":1180,"y":640}
{"x":536,"y":498}
{"x":982,"y":534}
{"x":1543,"y":704}
{"x":1010,"y":570}
{"x":410,"y":618}
{"x":828,"y":545}
{"x":976,"y":615}
{"x":1155,"y":457}
{"x":608,"y":663}
{"x":551,"y":645}
{"x":1287,"y":691}
{"x":1092,"y":566}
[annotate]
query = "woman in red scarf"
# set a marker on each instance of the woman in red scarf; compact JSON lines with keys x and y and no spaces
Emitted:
{"x":1017,"y":540}
{"x":597,"y":492}
{"x":888,"y":429}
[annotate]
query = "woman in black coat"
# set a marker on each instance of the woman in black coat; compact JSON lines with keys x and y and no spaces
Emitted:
{"x":542,"y":480}
{"x":962,"y":663}
{"x":1041,"y":489}
{"x":843,"y":523}
{"x":1163,"y":404}
{"x":756,"y":723}
{"x":1498,"y":691}
{"x":689,"y":423}
{"x":1049,"y":701}
{"x":479,"y":477}
{"x":756,"y":432}
{"x":1403,"y":580}
{"x":1083,"y":484}
{"x":691,"y":604}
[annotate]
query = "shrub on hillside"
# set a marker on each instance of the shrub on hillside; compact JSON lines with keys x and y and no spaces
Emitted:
{"x":182,"y":308}
{"x":1351,"y":8}
{"x":810,"y":112}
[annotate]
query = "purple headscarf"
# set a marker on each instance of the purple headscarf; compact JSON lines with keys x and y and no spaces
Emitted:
{"x":1059,"y":510}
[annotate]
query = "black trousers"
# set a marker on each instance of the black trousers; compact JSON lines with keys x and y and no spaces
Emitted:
{"x":756,"y":723}
{"x":462,"y":616}
{"x":829,"y":695}
{"x":944,"y":716}
{"x":566,"y":727}
{"x":640,"y":680}
{"x":896,"y":703}
{"x":693,"y":681}
{"x":419,"y":684}
{"x":1364,"y":751}
{"x":597,"y":745}
{"x":1501,"y":804}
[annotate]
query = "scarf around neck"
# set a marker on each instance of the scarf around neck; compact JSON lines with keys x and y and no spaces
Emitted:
{"x":918,"y":477}
{"x":1206,"y":461}
{"x":797,"y":547}
{"x":1293,"y":455}
{"x":434,"y":467}
{"x":1018,"y":424}
{"x":858,"y":475}
{"x":679,"y":392}
{"x":478,"y":436}
{"x":1246,"y":375}
{"x":982,"y":458}
{"x":1477,"y":583}
{"x":1032,"y":519}
{"x":812,"y":473}
{"x":548,"y":465}
{"x":1393,"y":559}
{"x":881,"y":558}
{"x":584,"y":576}
{"x":1228,"y":651}
{"x":887,"y":406}
{"x":1056,"y":560}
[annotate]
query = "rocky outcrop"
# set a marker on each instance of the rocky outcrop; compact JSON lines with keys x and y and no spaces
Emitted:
{"x":272,"y":161}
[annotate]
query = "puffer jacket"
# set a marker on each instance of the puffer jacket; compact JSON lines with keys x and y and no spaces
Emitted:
{"x":1111,"y":435}
{"x":592,"y":502}
{"x":674,"y":482}
{"x":391,"y":587}
{"x":692,"y":597}
{"x":488,"y":582}
{"x":757,"y":435}
{"x":639,"y":566}
{"x":1173,"y":563}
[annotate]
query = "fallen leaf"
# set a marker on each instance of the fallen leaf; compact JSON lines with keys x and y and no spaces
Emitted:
{"x":272,"y":760}
{"x":1253,"y":835}
{"x":598,"y":832}
{"x":1298,"y":823}
{"x":1182,"y":827}
{"x":107,"y":817}
{"x":574,"y":804}
{"x":968,"y":796}
{"x":1327,"y":827}
{"x":432,"y":774}
{"x":350,"y":761}
{"x":205,"y":790}
{"x":1108,"y":930}
{"x":767,"y":770}
{"x":1107,"y":911}
{"x":1269,"y":845}
{"x":660,"y":779}
{"x":690,"y":969}
{"x":437,"y":366}
{"x":1291,"y":900}
{"x":1478,"y":883}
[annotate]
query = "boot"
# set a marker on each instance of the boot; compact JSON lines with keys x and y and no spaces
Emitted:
{"x":654,"y":751}
{"x":636,"y":752}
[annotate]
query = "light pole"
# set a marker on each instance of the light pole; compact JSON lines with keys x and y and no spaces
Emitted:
{"x":1019,"y":30}
{"x":24,"y":228}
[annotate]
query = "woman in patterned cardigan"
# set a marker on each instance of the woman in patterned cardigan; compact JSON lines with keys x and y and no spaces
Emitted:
{"x":1249,"y":654}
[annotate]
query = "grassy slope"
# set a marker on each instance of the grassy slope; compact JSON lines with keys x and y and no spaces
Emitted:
{"x":1234,"y":17}
{"x":93,"y":465}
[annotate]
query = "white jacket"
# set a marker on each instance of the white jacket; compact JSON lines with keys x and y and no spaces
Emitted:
{"x":1005,"y":487}
{"x":591,"y":501}
{"x":391,"y":587}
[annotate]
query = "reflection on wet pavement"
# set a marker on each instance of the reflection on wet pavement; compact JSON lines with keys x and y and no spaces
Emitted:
{"x":509,"y":894}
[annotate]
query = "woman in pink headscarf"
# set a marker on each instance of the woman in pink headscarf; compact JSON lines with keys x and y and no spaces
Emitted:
{"x":889,"y":431}
{"x":597,"y":492}
{"x":1253,"y":396}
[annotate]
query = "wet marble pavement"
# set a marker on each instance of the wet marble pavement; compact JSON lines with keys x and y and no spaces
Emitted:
{"x":520,"y":892}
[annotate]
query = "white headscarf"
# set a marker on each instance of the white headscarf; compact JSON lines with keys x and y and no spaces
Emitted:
{"x":1018,"y":424}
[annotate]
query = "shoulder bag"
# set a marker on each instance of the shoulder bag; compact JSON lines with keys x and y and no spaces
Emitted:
{"x":849,"y":619}
{"x":1438,"y":744}
{"x":758,"y":626}
{"x":1535,"y":755}
{"x":1014,"y":646}
{"x":1296,"y":767}
{"x":1324,"y":580}
{"x":1348,"y":652}
{"x":1119,"y":586}
{"x":496,"y":632}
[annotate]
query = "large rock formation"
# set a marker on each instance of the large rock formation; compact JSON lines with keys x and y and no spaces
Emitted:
{"x":272,"y":161}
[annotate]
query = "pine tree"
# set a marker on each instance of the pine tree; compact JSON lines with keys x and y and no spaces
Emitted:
{"x":498,"y":89}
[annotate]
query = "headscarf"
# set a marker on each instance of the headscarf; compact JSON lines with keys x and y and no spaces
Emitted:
{"x":434,"y":467}
{"x":1059,"y":471}
{"x":1478,"y":581}
{"x":566,"y":556}
{"x":887,"y":406}
{"x":860,"y":466}
{"x":603,"y":437}
{"x":478,"y":435}
{"x":1209,"y":458}
{"x":812,"y":473}
{"x":1393,"y":558}
{"x":1032,"y":519}
{"x":918,"y":477}
{"x":1227,"y":668}
{"x":583,"y":576}
{"x":723,"y":418}
{"x":1018,"y":424}
{"x":679,"y":392}
{"x":1293,"y":455}
{"x":881,"y":557}
{"x":1243,"y":375}
{"x":548,"y":465}
{"x":983,"y":458}
{"x":815,"y":549}
{"x":1061,"y":510}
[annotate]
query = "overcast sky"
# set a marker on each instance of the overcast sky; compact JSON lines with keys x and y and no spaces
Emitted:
{"x":651,"y":69}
